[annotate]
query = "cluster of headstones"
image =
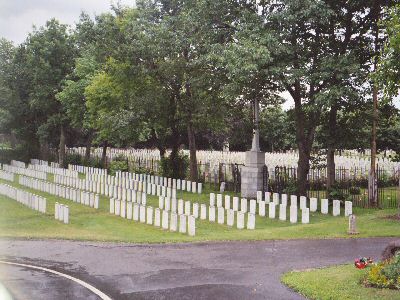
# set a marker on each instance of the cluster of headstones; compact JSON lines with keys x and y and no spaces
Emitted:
{"x":44,"y":162}
{"x":75,"y":195}
{"x":18,"y":164}
{"x":61,"y":212}
{"x":306,"y":206}
{"x":153,"y":181}
{"x":128,"y":188}
{"x":85,"y":170}
{"x":54,"y":170}
{"x":157,"y":217}
{"x":26,"y":172}
{"x":6,"y":175}
{"x":28,"y":199}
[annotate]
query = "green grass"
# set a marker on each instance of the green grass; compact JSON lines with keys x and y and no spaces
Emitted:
{"x":338,"y":282}
{"x":87,"y":223}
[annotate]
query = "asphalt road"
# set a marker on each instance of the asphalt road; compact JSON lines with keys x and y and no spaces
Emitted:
{"x":223,"y":270}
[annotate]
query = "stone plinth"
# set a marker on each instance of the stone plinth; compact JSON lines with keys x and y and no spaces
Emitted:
{"x":252,"y":174}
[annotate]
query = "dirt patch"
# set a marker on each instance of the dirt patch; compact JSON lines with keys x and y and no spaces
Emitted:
{"x":393,"y":217}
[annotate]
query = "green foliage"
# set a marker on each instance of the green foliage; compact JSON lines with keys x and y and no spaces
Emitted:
{"x":119,"y":163}
{"x":73,"y":159}
{"x":385,"y":274}
{"x":167,"y":166}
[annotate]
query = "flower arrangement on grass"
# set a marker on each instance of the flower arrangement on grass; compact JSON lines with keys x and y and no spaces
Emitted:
{"x":385,"y":274}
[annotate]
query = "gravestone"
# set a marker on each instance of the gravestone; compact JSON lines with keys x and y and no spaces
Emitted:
{"x":222,"y":187}
{"x":174,"y":222}
{"x":203,"y":212}
{"x":211,"y":213}
{"x":191,"y":225}
{"x":165,"y":220}
{"x":212,"y":199}
{"x":293,"y":214}
{"x":112,"y":205}
{"x":293,"y":200}
{"x":235,"y":205}
{"x":313,"y":204}
{"x":219,"y":200}
{"x":240,"y":220}
{"x":271,"y":210}
{"x":142,"y":214}
{"x":230,"y":217}
{"x":221,"y":215}
{"x":243,"y":205}
{"x":284,"y":199}
{"x":129,"y":210}
{"x":282,"y":212}
{"x":305,"y":215}
{"x":227,"y":202}
{"x":157,"y":217}
{"x":149,"y":216}
{"x":187,"y":208}
{"x":253,"y":206}
{"x":303,"y":202}
{"x":182,"y":223}
{"x":195,"y":210}
{"x":336,"y":208}
{"x":352,"y":225}
{"x":324,"y":206}
{"x":261,"y":208}
{"x":251,"y":221}
{"x":135,"y":212}
{"x":348,"y":208}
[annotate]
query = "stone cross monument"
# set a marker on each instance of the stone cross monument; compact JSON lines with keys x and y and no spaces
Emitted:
{"x":252,"y":171}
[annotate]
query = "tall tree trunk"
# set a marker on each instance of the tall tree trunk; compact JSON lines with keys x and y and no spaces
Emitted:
{"x":331,"y":142}
{"x":61,"y":151}
{"x":104,"y":155}
{"x":44,"y":150}
{"x":192,"y":151}
{"x":88,"y":147}
{"x":303,"y":169}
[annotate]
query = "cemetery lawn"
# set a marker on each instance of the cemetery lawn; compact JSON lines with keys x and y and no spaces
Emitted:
{"x":18,"y":221}
{"x":338,"y":282}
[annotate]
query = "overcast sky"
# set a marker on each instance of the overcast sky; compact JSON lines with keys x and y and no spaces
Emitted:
{"x":18,"y":16}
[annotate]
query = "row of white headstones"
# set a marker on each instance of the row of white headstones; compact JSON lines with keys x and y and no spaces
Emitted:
{"x":54,"y":170}
{"x":188,"y":208}
{"x":126,"y":179}
{"x":157,"y":217}
{"x":75,"y":195}
{"x":6,"y":175}
{"x":26,"y":172}
{"x":30,"y":200}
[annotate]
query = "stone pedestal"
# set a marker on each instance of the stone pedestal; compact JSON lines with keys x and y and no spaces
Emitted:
{"x":252,"y":174}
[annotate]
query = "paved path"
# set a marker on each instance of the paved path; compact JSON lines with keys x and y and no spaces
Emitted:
{"x":223,"y":270}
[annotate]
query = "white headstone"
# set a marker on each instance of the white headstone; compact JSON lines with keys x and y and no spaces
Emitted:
{"x":149,"y":216}
{"x":348,"y":208}
{"x":336,"y":208}
{"x":182,"y":223}
{"x":313,"y":204}
{"x":253,"y":206}
{"x":157,"y":217}
{"x":282,"y":212}
{"x":305,"y":215}
{"x":324,"y":206}
{"x":203,"y":212}
{"x":180,"y":207}
{"x":129,"y":210}
{"x":240,"y":220}
{"x":303,"y":202}
{"x":165,"y":221}
{"x":243,"y":205}
{"x":235,"y":205}
{"x":195,"y":212}
{"x":212,"y":199}
{"x":174,"y":222}
{"x":293,"y":200}
{"x":261,"y":208}
{"x":219,"y":200}
{"x":211,"y":213}
{"x":230,"y":217}
{"x":221,"y":215}
{"x":135,"y":212}
{"x":293,"y":214}
{"x":251,"y":221}
{"x":227,"y":202}
{"x":187,"y":207}
{"x":272,"y":210}
{"x":191,"y":225}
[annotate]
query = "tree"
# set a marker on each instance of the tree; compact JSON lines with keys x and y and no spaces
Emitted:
{"x":50,"y":53}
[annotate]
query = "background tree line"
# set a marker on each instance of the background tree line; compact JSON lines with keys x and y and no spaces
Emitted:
{"x":171,"y":73}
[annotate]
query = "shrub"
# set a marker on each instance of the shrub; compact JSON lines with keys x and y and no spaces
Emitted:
{"x":72,"y":159}
{"x":385,"y":274}
{"x":119,"y":163}
{"x":182,"y":164}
